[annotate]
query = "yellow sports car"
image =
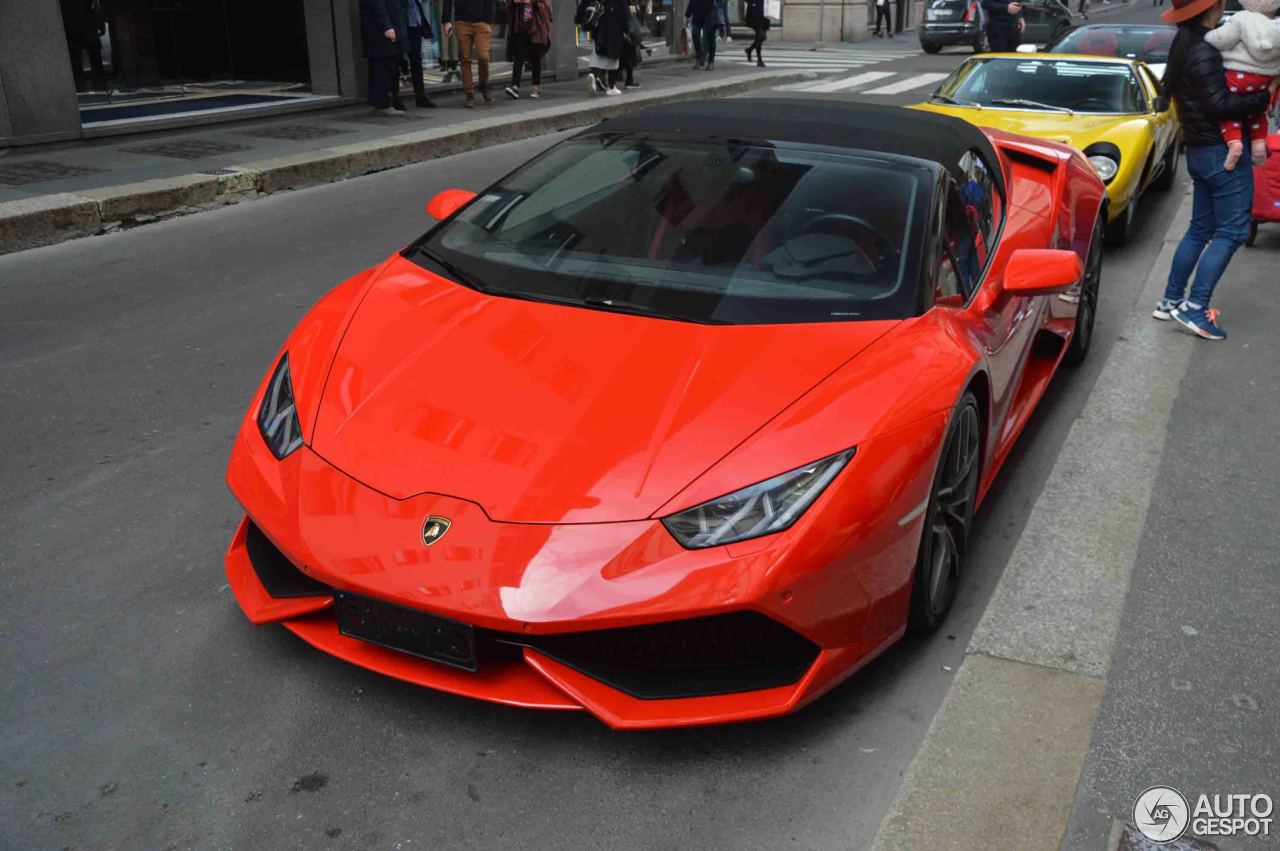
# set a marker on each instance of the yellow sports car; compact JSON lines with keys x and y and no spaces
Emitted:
{"x":1112,"y":110}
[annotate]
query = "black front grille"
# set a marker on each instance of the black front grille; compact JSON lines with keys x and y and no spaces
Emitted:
{"x":276,"y":573}
{"x":721,"y":654}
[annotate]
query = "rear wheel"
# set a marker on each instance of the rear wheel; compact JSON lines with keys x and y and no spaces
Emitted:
{"x":948,"y":518}
{"x":931,"y":48}
{"x":1087,"y":309}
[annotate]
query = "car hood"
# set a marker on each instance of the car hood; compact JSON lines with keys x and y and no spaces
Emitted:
{"x":544,"y":413}
{"x":1078,"y":130}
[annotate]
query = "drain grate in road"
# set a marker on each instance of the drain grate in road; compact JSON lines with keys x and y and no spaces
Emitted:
{"x":188,"y":149}
{"x":296,"y":132}
{"x":37,"y":171}
{"x":220,"y":172}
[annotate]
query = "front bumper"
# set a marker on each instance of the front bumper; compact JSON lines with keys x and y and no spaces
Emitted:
{"x":546,"y":581}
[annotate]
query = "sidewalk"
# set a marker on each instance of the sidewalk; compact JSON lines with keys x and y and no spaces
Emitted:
{"x":1130,"y":642}
{"x":60,"y":193}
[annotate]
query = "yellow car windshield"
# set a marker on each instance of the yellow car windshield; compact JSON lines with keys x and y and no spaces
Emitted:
{"x":1042,"y":83}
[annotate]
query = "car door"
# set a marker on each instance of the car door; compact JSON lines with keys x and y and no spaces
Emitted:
{"x":1164,"y":123}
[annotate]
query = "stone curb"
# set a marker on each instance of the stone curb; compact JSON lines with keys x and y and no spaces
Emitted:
{"x":48,"y":219}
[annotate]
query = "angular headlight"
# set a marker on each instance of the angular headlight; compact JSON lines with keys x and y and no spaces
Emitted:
{"x":761,"y":509}
{"x":278,"y":416}
{"x":1105,"y":167}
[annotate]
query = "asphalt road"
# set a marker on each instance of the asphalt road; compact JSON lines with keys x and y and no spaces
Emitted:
{"x":141,"y":709}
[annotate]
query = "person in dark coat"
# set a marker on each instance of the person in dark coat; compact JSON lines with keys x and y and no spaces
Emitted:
{"x":608,"y":36}
{"x":1005,"y":24}
{"x":703,"y":18}
{"x":419,"y":31}
{"x":759,"y":23}
{"x":384,"y":31}
{"x":1222,"y":201}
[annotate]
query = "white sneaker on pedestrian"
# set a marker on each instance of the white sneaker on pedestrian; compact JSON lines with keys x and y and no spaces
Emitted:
{"x":613,"y":91}
{"x":593,"y":85}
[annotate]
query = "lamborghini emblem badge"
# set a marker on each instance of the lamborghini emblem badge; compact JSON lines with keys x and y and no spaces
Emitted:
{"x":433,"y":528}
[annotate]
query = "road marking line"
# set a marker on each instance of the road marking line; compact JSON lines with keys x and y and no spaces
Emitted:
{"x":845,"y":82}
{"x":917,"y":82}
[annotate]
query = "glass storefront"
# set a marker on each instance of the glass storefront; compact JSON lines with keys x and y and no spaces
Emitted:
{"x":145,"y":58}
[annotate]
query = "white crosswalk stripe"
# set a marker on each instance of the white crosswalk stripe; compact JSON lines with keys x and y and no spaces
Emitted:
{"x":825,"y":61}
{"x":848,"y":82}
{"x":905,"y":83}
{"x":919,"y":81}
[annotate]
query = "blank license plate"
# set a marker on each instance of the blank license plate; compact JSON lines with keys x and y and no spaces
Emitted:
{"x":407,"y":630}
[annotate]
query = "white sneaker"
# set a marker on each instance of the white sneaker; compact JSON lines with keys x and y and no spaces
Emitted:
{"x":593,"y":85}
{"x":613,"y":91}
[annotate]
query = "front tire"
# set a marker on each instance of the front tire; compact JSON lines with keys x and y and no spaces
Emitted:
{"x":948,"y":519}
{"x":930,"y":48}
{"x":1119,"y":231}
{"x":1087,"y":309}
{"x":1164,"y":182}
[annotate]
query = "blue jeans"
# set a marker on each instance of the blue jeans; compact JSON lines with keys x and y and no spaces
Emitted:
{"x":1220,"y":216}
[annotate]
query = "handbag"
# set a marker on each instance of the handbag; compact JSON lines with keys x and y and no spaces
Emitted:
{"x":589,"y":15}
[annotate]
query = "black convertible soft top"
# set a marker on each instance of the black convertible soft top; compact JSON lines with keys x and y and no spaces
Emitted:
{"x":831,"y":120}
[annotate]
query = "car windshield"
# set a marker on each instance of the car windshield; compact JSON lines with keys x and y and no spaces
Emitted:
{"x":1150,"y":44}
{"x":712,"y":232}
{"x":1054,"y":85}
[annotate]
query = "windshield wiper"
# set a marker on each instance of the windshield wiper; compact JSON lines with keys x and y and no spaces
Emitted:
{"x":454,"y":272}
{"x":609,"y":304}
{"x":953,"y":101}
{"x":1034,"y":104}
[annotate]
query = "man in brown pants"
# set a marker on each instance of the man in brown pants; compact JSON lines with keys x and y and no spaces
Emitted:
{"x":471,"y":21}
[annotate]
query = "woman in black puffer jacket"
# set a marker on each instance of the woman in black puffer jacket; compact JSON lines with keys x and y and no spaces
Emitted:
{"x":1221,"y":206}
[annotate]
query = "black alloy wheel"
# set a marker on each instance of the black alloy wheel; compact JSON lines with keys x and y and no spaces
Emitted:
{"x":948,"y":518}
{"x":1087,"y":309}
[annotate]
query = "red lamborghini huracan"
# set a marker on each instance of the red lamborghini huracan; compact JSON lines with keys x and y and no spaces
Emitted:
{"x":681,"y":422}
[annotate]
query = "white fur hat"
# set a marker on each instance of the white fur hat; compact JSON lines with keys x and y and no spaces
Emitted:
{"x":1265,"y":7}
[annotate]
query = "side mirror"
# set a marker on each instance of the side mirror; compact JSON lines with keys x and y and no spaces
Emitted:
{"x":1160,"y":104}
{"x":447,"y":203}
{"x":1042,"y":271}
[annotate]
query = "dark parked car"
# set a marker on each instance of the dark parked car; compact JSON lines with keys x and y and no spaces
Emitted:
{"x":1046,"y":20}
{"x":953,"y":22}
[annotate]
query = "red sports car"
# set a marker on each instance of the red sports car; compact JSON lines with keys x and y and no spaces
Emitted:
{"x":681,"y":422}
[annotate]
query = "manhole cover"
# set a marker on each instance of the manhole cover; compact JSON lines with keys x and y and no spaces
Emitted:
{"x":35,"y":171}
{"x":296,"y":132}
{"x":188,"y":149}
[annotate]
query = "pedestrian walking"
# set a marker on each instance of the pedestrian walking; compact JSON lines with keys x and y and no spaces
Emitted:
{"x":384,"y":30}
{"x":882,"y":16}
{"x":1082,"y":8}
{"x":1222,"y":200}
{"x":419,"y":30}
{"x":446,"y":43}
{"x":722,"y":12}
{"x":528,"y":40}
{"x":633,"y":44}
{"x":700,"y":16}
{"x":1005,"y":24}
{"x":607,"y":21}
{"x":759,"y":23}
{"x":472,"y":22}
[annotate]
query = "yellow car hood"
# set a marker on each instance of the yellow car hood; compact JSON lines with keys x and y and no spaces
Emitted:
{"x":1078,"y":130}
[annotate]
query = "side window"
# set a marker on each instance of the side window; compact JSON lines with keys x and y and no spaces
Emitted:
{"x":958,"y":263}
